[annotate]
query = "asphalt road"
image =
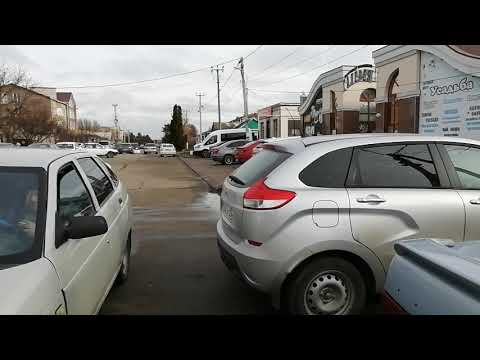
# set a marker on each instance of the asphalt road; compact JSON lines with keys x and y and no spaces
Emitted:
{"x":175,"y":266}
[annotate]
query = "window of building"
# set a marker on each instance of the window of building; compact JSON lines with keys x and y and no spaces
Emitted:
{"x":294,"y":127}
{"x":395,"y":166}
{"x":4,"y":98}
{"x":275,"y":128}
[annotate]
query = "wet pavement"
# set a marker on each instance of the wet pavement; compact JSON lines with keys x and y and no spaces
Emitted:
{"x":175,"y":266}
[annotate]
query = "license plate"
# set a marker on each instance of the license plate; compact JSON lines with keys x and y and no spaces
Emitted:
{"x":227,"y":213}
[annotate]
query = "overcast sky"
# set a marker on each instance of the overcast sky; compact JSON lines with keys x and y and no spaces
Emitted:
{"x":147,"y":106}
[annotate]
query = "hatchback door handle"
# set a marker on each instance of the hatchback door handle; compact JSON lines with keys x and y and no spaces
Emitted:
{"x":371,"y":199}
{"x":475,"y":201}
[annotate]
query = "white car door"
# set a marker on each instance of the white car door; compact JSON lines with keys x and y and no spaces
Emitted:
{"x":80,"y":263}
{"x":124,"y":221}
{"x":110,"y":202}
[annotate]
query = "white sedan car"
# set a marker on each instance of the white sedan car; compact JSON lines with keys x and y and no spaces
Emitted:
{"x":100,"y":150}
{"x":150,"y":148}
{"x":167,"y":150}
{"x":65,"y":232}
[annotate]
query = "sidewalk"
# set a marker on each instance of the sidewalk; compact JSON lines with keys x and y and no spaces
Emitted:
{"x":210,"y":171}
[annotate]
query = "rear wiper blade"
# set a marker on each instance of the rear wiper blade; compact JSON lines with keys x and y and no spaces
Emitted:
{"x":236,"y":179}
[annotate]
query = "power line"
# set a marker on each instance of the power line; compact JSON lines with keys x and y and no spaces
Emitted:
{"x":253,"y":52}
{"x":307,"y":59}
{"x":280,"y":91}
{"x":226,"y":82}
{"x":276,"y":63}
{"x":147,"y":80}
{"x":317,"y":67}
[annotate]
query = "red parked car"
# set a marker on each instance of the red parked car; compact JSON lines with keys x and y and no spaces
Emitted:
{"x":245,"y":152}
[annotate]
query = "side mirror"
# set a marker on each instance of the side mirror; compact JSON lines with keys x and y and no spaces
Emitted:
{"x":78,"y":228}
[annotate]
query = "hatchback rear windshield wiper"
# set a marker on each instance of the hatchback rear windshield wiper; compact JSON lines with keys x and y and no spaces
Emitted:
{"x":236,"y":179}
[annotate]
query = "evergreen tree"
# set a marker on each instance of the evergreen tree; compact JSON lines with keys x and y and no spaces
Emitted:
{"x":176,"y":128}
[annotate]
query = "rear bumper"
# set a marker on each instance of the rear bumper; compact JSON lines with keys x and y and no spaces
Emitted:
{"x":248,"y":263}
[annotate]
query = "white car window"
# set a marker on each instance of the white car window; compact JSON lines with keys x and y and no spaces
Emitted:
{"x":99,"y":181}
{"x":73,"y":197}
{"x":20,"y":206}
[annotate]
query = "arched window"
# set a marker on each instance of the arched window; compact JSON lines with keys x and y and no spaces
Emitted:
{"x":366,"y":121}
{"x":391,"y":115}
{"x":333,"y":114}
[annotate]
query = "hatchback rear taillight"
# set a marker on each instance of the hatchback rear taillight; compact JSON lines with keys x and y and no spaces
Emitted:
{"x":390,"y":306}
{"x":261,"y":197}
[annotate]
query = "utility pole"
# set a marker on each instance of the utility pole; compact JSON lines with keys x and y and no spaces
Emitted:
{"x":245,"y":95}
{"x":200,"y":94}
{"x":217,"y":69}
{"x":115,"y":120}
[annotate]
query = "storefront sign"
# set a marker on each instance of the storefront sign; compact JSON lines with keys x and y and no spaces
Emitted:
{"x":450,"y":100}
{"x":361,"y":73}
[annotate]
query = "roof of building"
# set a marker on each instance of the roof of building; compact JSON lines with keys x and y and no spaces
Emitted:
{"x":35,"y":92}
{"x":30,"y":157}
{"x":64,"y":96}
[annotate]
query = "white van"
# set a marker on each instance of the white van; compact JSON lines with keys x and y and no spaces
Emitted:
{"x":220,"y":136}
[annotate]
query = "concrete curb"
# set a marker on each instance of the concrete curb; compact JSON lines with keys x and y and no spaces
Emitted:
{"x":212,"y":187}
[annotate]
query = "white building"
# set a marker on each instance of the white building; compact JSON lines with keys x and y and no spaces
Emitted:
{"x":279,"y":120}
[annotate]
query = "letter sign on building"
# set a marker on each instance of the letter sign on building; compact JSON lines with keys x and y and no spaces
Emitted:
{"x":361,"y":73}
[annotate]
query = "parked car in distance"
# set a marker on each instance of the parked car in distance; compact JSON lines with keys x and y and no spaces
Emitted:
{"x":43,"y":146}
{"x":70,"y":145}
{"x":100,"y":150}
{"x":313,"y":221}
{"x":65,"y":225}
{"x":225,"y":153}
{"x":218,"y":136}
{"x":434,"y":277}
{"x":245,"y":152}
{"x":150,"y":148}
{"x":124,"y":148}
{"x":6,"y":145}
{"x":167,"y":150}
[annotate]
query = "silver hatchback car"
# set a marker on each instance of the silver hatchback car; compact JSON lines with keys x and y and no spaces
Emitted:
{"x":313,"y":221}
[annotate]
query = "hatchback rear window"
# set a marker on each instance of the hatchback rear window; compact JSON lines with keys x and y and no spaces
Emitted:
{"x":329,"y":170}
{"x":258,"y":167}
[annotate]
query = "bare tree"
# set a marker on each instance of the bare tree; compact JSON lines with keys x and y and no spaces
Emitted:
{"x":13,"y":99}
{"x":36,"y":126}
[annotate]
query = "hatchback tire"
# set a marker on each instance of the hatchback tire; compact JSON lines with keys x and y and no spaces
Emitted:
{"x":205,"y":153}
{"x":110,"y":154}
{"x":125,"y":268}
{"x":326,"y":286}
{"x":228,"y":159}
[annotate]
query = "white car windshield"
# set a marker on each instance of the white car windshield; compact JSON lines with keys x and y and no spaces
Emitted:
{"x":20,"y":204}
